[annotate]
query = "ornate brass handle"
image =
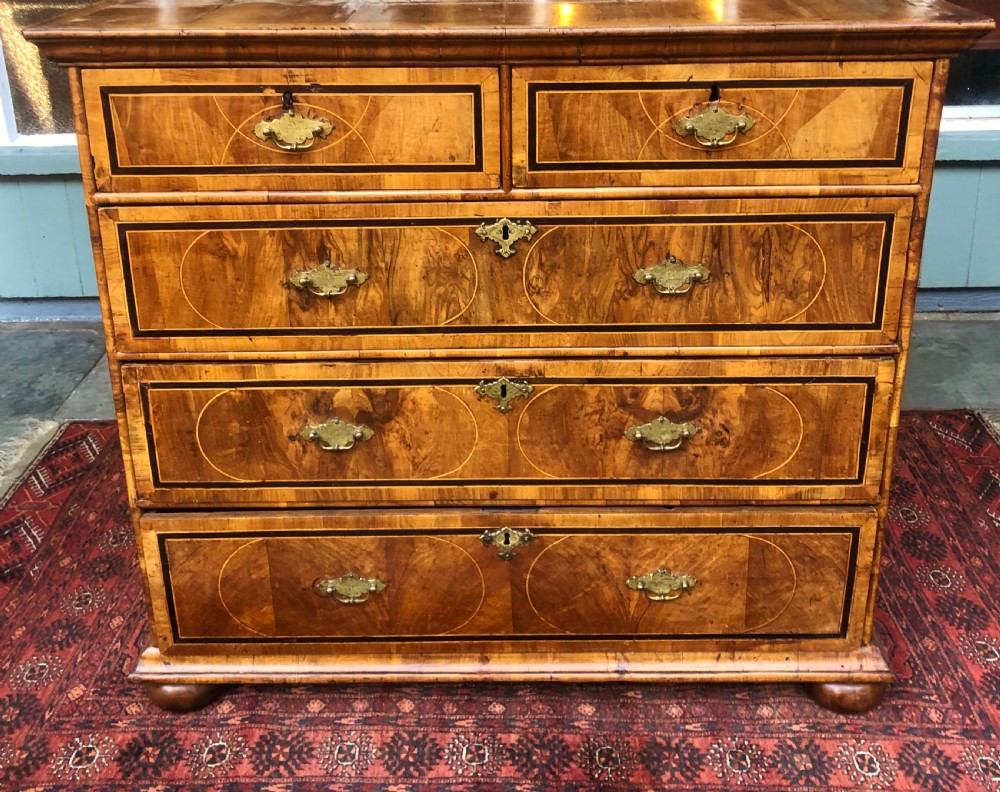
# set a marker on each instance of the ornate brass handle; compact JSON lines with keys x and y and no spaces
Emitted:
{"x":292,"y":132}
{"x":505,"y":233}
{"x":714,"y":127}
{"x":326,"y":280}
{"x":662,"y":434}
{"x":506,"y":540}
{"x":503,"y":391}
{"x":673,"y":276}
{"x":661,"y":585}
{"x":336,"y":435}
{"x":349,"y":589}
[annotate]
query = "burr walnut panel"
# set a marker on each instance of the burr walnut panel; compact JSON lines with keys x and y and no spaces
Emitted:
{"x":177,"y":129}
{"x":767,"y":123}
{"x":779,"y":584}
{"x":755,"y":429}
{"x":243,"y":577}
{"x":787,"y":271}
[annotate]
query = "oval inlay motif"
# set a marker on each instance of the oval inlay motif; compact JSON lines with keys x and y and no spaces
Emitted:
{"x":252,"y":434}
{"x":237,"y":278}
{"x":760,"y":273}
{"x":578,"y":431}
{"x":577,"y":584}
{"x":267,"y":586}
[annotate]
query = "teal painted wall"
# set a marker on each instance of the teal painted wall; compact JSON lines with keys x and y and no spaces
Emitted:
{"x":46,"y":246}
{"x":44,"y":239}
{"x":962,"y":245}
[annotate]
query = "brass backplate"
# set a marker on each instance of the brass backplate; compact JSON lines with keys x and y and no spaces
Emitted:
{"x":661,"y":584}
{"x":293,"y":132}
{"x":326,"y":280}
{"x":673,"y":276}
{"x":349,"y":588}
{"x":661,"y":434}
{"x":715,"y":127}
{"x":336,"y":435}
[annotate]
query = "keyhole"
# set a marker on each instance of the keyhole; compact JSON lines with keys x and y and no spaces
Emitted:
{"x":287,"y":101}
{"x":503,"y":391}
{"x":505,"y":233}
{"x":713,"y":94}
{"x":506,"y":538}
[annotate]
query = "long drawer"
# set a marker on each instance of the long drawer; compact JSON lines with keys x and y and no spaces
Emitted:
{"x":726,"y":575}
{"x":673,"y":275}
{"x":303,"y":129}
{"x":619,"y":431}
{"x":719,"y":124}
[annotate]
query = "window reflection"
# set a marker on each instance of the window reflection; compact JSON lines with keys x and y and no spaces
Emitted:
{"x":39,"y":89}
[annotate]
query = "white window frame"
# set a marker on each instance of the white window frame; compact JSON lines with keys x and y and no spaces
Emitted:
{"x":969,"y":133}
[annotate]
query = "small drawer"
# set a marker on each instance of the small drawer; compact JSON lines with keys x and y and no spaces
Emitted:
{"x":293,"y":129}
{"x":669,"y":274}
{"x":719,"y":124}
{"x":624,"y":431}
{"x":449,"y":576}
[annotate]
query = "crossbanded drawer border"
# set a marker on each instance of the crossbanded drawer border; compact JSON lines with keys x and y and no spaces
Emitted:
{"x":870,"y":383}
{"x":116,"y":169}
{"x":888,"y":220}
{"x":906,"y":106}
{"x":853,"y":531}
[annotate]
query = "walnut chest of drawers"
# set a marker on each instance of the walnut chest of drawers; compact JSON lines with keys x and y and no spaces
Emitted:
{"x":509,"y":341}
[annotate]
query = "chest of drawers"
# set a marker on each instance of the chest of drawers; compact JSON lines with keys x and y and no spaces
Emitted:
{"x":509,"y":341}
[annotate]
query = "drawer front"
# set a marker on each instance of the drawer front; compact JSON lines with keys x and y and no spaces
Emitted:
{"x":272,"y":577}
{"x":719,"y":124}
{"x":789,"y":272}
{"x":321,"y":129}
{"x":623,"y":431}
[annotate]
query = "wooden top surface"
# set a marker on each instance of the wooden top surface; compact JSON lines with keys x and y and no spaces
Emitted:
{"x":195,"y":30}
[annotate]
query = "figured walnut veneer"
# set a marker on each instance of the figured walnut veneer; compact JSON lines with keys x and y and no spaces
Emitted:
{"x":726,"y":205}
{"x":783,"y":272}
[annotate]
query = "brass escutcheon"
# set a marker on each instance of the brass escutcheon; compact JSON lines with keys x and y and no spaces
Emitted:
{"x":326,"y":280}
{"x":714,"y":127}
{"x":661,"y":585}
{"x":506,"y":540}
{"x":503,"y":391}
{"x":662,"y":434}
{"x":292,"y":132}
{"x":673,"y":276}
{"x":505,"y":233}
{"x":349,"y":589}
{"x":336,"y":435}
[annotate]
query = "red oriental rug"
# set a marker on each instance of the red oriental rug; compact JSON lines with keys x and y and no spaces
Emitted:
{"x":73,"y":625}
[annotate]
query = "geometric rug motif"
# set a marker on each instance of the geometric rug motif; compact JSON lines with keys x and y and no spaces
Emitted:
{"x":73,"y":622}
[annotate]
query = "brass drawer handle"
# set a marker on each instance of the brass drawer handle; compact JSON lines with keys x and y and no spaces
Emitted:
{"x":714,"y":127}
{"x":505,"y":233}
{"x":506,"y":540}
{"x":326,"y":280}
{"x":673,"y":276}
{"x":292,"y":132}
{"x":503,"y":391}
{"x":662,"y":434}
{"x":661,"y":585}
{"x":336,"y":435}
{"x":350,"y":589}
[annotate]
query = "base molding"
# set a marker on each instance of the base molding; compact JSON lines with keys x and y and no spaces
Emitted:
{"x":865,"y":665}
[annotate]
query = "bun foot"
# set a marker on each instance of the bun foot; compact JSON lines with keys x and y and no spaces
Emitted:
{"x":181,"y":698}
{"x":847,"y":698}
